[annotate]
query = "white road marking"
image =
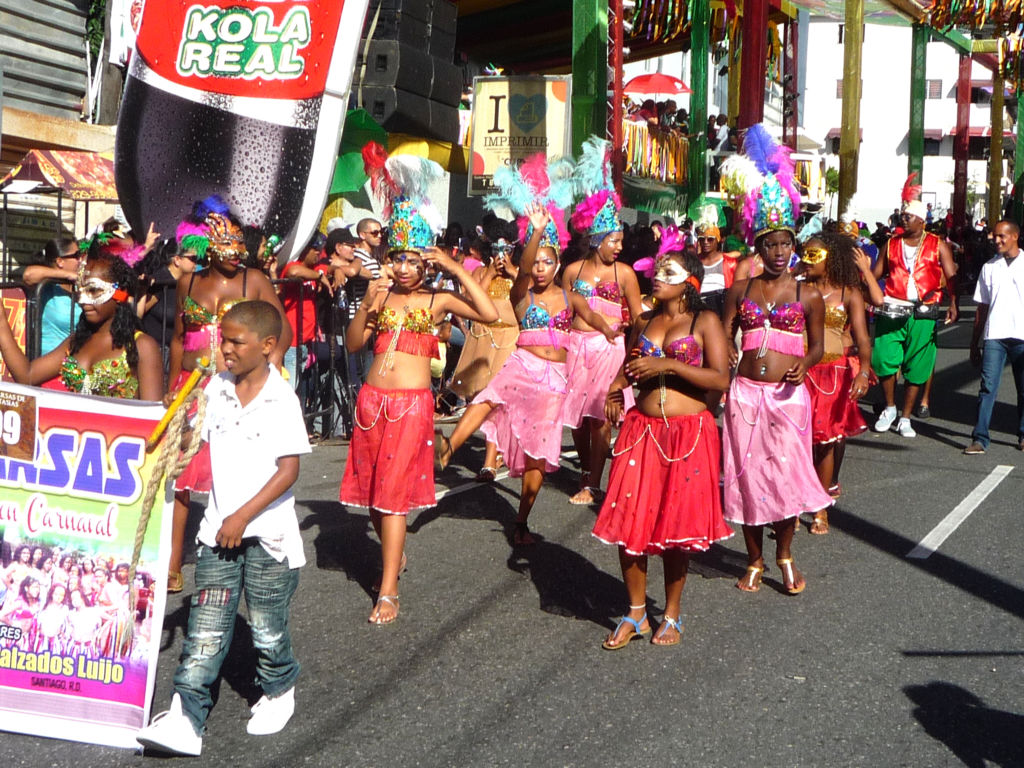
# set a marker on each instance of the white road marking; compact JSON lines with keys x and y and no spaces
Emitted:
{"x":930,"y":543}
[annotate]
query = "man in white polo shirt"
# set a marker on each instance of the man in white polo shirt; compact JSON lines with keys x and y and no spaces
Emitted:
{"x":999,"y":331}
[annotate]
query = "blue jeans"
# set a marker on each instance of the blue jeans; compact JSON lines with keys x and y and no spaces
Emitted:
{"x":221,"y":576}
{"x":993,"y":357}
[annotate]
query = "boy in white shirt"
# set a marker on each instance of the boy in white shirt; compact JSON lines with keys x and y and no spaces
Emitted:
{"x":247,"y":541}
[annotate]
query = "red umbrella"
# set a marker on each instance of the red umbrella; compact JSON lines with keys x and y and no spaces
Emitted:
{"x":656,"y":84}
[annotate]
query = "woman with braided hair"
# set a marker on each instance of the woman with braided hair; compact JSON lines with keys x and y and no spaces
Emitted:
{"x":106,"y":354}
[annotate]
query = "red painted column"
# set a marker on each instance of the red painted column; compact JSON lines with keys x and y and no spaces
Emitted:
{"x":961,"y":141}
{"x":753,"y":62}
{"x":615,"y":62}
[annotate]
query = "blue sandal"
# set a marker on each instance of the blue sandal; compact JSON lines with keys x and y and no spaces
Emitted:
{"x":676,"y":624}
{"x":636,"y":632}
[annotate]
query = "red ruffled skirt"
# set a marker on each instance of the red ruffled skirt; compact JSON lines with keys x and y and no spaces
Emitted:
{"x":527,"y":395}
{"x":663,"y":486}
{"x":197,"y":476}
{"x":390,"y":463}
{"x":834,"y":415}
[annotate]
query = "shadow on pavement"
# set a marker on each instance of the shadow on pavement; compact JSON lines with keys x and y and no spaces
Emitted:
{"x":957,"y":573}
{"x":344,"y":541}
{"x":976,"y":734}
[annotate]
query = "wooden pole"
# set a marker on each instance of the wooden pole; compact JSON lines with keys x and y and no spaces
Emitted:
{"x":961,"y":143}
{"x":994,"y":209}
{"x":849,"y":136}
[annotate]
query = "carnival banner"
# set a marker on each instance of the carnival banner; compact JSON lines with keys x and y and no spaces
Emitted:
{"x":241,"y":98}
{"x":76,"y":660}
{"x":515,"y":117}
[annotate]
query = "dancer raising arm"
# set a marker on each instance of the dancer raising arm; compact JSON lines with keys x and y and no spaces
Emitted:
{"x":390,"y":461}
{"x":520,"y":410}
{"x":663,"y":496}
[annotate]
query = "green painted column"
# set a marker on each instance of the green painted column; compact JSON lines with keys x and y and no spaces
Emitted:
{"x":849,"y":133}
{"x":918,"y":65}
{"x":589,"y":70}
{"x":700,"y":19}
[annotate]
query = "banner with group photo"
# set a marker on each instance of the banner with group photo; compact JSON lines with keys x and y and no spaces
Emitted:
{"x":76,"y":661}
{"x":515,"y":117}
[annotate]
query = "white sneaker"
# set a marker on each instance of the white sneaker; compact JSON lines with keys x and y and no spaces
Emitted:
{"x":171,"y":731}
{"x":904,"y":429}
{"x":271,"y":715}
{"x":886,"y":419}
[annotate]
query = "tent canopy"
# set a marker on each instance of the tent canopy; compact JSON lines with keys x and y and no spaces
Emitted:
{"x":80,"y":175}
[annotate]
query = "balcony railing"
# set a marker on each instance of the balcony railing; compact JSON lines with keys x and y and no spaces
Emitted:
{"x":652,"y":153}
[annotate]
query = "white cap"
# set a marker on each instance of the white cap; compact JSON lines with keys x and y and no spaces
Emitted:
{"x":916,"y":208}
{"x":336,"y":223}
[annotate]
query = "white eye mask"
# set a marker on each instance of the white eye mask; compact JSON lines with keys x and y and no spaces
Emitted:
{"x":95,"y":290}
{"x":670,"y":272}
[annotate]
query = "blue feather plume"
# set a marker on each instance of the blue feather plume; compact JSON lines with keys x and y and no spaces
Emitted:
{"x":760,"y":147}
{"x":592,"y":167}
{"x":513,"y":191}
{"x":562,"y":192}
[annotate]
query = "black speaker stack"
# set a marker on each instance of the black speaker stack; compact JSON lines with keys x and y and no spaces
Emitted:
{"x":404,"y":71}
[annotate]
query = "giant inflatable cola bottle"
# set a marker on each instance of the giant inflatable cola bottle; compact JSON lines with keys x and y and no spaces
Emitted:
{"x":241,"y":98}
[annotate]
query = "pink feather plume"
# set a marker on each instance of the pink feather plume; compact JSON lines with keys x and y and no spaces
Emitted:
{"x":588,"y":208}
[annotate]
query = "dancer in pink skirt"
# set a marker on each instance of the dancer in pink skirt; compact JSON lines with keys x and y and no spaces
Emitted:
{"x":663,"y":496}
{"x":519,"y":411}
{"x":612,"y":291}
{"x":768,"y":475}
{"x":390,"y":466}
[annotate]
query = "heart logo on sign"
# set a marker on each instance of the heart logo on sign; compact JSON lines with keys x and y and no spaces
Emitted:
{"x":526,"y":112}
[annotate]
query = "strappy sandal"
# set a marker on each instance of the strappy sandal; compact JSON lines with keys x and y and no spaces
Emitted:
{"x":820,"y":525}
{"x":667,"y":622}
{"x":751,"y":581}
{"x":835,"y":491}
{"x":391,"y":600}
{"x":582,"y":502}
{"x":789,"y":576}
{"x":486,"y":475}
{"x":608,"y":645}
{"x":175,"y":581}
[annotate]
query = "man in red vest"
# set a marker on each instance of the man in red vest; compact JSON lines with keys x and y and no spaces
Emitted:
{"x":917,"y":263}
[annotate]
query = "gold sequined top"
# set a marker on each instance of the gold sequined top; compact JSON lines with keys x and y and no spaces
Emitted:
{"x":419,"y":320}
{"x":500,"y":288}
{"x":835,"y":324}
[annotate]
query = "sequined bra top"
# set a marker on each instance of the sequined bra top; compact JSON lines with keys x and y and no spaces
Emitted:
{"x":412,"y":332}
{"x":780,"y":329}
{"x":500,"y":288}
{"x":835,"y":324}
{"x":685,"y":348}
{"x":538,"y":328}
{"x":112,"y":377}
{"x":604,"y":298}
{"x":202,"y":331}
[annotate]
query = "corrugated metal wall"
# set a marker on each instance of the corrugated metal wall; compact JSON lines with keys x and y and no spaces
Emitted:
{"x":42,"y":54}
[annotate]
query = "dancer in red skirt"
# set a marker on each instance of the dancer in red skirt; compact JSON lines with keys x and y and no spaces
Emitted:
{"x":663,"y":496}
{"x":841,"y":377}
{"x":520,"y":410}
{"x":390,"y":467}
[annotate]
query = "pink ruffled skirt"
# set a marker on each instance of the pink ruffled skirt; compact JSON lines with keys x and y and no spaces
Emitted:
{"x":768,"y":473}
{"x":592,"y":363}
{"x":527,"y":393}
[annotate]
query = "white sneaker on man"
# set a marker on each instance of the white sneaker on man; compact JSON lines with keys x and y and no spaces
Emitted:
{"x":171,"y":731}
{"x":886,"y":419}
{"x":904,"y":429}
{"x":271,"y":715}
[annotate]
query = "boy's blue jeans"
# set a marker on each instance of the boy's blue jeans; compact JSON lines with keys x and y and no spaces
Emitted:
{"x":221,"y":577}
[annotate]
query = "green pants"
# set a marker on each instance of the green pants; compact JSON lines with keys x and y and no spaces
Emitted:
{"x":906,"y":343}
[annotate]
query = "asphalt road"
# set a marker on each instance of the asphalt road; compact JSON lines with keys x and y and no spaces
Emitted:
{"x":495,"y":659}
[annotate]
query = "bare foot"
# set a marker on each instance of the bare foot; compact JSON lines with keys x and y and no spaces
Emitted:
{"x":521,"y":536}
{"x":401,"y":570}
{"x":820,"y":524}
{"x":385,"y":610}
{"x":626,"y":631}
{"x":751,"y":581}
{"x":792,"y":580}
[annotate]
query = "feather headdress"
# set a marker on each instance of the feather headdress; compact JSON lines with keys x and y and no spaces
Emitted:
{"x":597,"y":213}
{"x":761,"y":186}
{"x":911,"y":191}
{"x":536,"y":182}
{"x":401,"y":183}
{"x":849,"y":221}
{"x":672,"y":240}
{"x":707,"y":222}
